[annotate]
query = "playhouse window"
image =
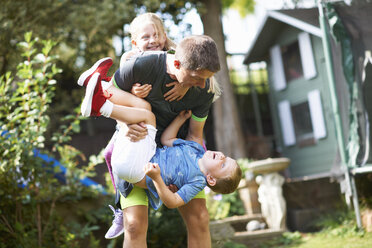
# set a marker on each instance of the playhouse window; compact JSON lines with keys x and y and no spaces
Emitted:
{"x":302,"y":123}
{"x":292,"y":61}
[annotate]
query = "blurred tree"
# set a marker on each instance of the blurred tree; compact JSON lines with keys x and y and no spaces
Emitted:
{"x":84,"y":31}
{"x":227,"y":128}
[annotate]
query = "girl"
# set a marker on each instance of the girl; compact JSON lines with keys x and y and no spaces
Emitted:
{"x":147,"y":34}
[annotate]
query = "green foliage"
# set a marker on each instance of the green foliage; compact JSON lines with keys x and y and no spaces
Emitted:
{"x":244,"y":7}
{"x":339,"y":223}
{"x":230,"y":244}
{"x":84,"y":31}
{"x":83,"y":28}
{"x":218,"y":207}
{"x":236,"y":205}
{"x":222,"y":206}
{"x":287,"y":239}
{"x":244,"y":164}
{"x":337,"y":229}
{"x":166,"y":229}
{"x":364,"y":184}
{"x":31,"y":196}
{"x":256,"y":78}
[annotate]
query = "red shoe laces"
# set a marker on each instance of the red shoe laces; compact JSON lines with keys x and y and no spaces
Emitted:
{"x":109,"y":95}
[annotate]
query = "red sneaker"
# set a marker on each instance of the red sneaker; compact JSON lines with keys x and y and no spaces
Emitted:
{"x":102,"y":66}
{"x":94,"y":98}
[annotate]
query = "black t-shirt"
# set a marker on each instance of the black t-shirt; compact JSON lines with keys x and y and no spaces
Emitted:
{"x":150,"y":68}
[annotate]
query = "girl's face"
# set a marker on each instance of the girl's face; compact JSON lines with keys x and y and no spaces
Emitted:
{"x":148,"y":39}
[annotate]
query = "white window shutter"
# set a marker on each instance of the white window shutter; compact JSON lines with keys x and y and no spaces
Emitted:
{"x":278,"y":69}
{"x":316,"y":113}
{"x":286,"y":122}
{"x":307,"y":56}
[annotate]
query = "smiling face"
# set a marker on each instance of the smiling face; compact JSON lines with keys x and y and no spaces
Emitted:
{"x":149,"y":39}
{"x":216,"y":165}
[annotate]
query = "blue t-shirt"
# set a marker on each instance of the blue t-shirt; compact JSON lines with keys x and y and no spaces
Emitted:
{"x":178,"y":166}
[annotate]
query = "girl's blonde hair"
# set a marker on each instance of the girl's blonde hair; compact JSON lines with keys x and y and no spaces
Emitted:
{"x":152,"y":19}
{"x":215,"y":88}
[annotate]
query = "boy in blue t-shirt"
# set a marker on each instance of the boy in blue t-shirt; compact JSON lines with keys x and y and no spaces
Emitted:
{"x":180,"y":162}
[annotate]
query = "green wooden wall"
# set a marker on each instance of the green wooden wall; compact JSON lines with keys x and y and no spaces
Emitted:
{"x":314,"y":159}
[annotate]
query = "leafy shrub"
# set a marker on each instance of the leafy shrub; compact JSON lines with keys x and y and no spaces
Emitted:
{"x":339,"y":223}
{"x":166,"y":229}
{"x":32,"y":198}
{"x":222,"y":206}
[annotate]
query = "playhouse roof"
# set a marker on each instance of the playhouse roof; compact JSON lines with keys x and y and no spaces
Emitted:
{"x":355,"y":17}
{"x":274,"y":22}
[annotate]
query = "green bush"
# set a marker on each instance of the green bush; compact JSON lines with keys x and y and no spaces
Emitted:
{"x":36,"y":209}
{"x":166,"y":229}
{"x":222,"y":206}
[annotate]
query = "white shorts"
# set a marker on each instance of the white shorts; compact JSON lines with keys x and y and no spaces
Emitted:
{"x":129,"y":158}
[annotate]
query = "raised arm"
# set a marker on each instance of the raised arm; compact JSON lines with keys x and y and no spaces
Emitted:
{"x":195,"y":132}
{"x":170,"y":199}
{"x":170,"y":133}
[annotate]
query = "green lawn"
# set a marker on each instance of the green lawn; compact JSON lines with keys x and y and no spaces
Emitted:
{"x":330,"y":241}
{"x":336,"y":231}
{"x":322,"y":240}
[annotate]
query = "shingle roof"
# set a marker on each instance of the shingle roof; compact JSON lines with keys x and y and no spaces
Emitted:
{"x":274,"y":22}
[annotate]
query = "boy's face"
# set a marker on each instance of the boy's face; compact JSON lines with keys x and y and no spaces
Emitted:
{"x":148,"y":39}
{"x":193,"y":78}
{"x":217,"y":165}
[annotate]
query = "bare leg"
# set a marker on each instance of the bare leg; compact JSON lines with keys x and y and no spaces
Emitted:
{"x":135,"y":226}
{"x":196,"y":217}
{"x":131,"y":115}
{"x":128,"y":108}
{"x":121,"y":97}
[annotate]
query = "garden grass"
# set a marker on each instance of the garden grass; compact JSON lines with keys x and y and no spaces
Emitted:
{"x":323,"y":239}
{"x":337,"y":230}
{"x":320,"y":240}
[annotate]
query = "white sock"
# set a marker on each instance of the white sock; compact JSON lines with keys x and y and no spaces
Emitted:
{"x":105,"y":85}
{"x":106,"y":109}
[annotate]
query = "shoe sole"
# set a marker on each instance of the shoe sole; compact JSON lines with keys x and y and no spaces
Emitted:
{"x":117,"y":235}
{"x":86,"y":106}
{"x":89,"y":72}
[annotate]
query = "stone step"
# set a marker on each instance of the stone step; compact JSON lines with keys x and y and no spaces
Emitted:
{"x":234,"y":229}
{"x":238,"y":222}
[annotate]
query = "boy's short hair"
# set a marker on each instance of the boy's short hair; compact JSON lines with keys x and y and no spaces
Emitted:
{"x":229,"y":184}
{"x":198,"y":52}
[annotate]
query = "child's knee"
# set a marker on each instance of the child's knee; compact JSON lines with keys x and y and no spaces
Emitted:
{"x":134,"y":228}
{"x":143,"y":104}
{"x":150,"y":118}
